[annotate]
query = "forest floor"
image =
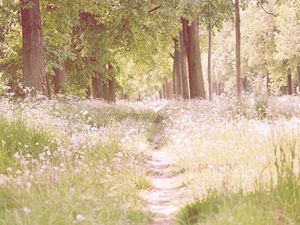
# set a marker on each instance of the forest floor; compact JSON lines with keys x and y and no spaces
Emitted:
{"x":159,"y":163}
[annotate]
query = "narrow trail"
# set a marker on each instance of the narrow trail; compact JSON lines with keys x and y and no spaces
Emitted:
{"x":164,"y":198}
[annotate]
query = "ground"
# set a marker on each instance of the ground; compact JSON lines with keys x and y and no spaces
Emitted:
{"x":72,"y":161}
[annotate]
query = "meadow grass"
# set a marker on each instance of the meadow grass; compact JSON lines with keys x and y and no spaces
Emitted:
{"x":93,"y":175}
{"x":88,"y":165}
{"x":270,"y":203}
{"x":278,"y":205}
{"x":105,"y":115}
{"x":239,"y":166}
{"x":15,"y":138}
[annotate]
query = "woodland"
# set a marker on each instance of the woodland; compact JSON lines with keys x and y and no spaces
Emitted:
{"x":149,"y":112}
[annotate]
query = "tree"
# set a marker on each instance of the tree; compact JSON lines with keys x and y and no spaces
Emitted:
{"x":298,"y":77}
{"x":177,"y":80}
{"x":238,"y":48}
{"x":34,"y":73}
{"x":214,"y":13}
{"x":97,"y":88}
{"x":111,"y":84}
{"x":59,"y":78}
{"x":209,"y":63}
{"x":184,"y":68}
{"x":191,"y":40}
{"x":194,"y":62}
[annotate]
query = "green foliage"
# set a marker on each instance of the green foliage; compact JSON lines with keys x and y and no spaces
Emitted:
{"x":89,"y":35}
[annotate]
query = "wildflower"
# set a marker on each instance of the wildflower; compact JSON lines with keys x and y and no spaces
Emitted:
{"x":26,"y":210}
{"x":17,"y":155}
{"x":28,"y":186}
{"x":120,"y":155}
{"x":80,"y":217}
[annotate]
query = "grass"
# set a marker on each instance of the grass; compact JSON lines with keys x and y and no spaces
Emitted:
{"x":15,"y":137}
{"x":106,"y":115}
{"x":271,"y":203}
{"x":278,"y":205}
{"x":96,"y":171}
{"x":96,"y":184}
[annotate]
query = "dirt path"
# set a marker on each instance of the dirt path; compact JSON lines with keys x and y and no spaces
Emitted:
{"x":164,"y":198}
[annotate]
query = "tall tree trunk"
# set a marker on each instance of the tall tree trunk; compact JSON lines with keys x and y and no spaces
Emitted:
{"x":289,"y":84}
{"x":174,"y":79}
{"x":298,"y":77}
{"x":112,"y":89}
{"x":59,"y":78}
{"x":177,"y":63}
{"x":88,"y":92}
{"x":169,"y":89}
{"x":268,"y":84}
{"x":160,"y":94}
{"x":194,"y":61}
{"x":209,"y":64}
{"x":112,"y":85}
{"x":34,"y":74}
{"x":238,"y":47}
{"x":105,"y":90}
{"x":164,"y":90}
{"x":97,"y":83}
{"x":184,"y":68}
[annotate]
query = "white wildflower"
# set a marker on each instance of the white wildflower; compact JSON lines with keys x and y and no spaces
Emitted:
{"x":17,"y":155}
{"x":120,"y":155}
{"x":26,"y":210}
{"x":80,"y":217}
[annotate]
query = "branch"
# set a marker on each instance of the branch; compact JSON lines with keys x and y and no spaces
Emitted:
{"x":270,"y":13}
{"x":172,"y":55}
{"x":154,"y":9}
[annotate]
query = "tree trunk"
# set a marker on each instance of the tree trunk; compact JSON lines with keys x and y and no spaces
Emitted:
{"x":34,"y":74}
{"x":194,"y":61}
{"x":238,"y":47}
{"x":164,"y":90}
{"x":105,"y":90}
{"x":209,"y":65}
{"x":289,"y":84}
{"x":59,"y":78}
{"x":298,"y":77}
{"x":160,"y":94}
{"x":174,"y":80}
{"x":97,"y":87}
{"x":112,"y":90}
{"x":268,"y":84}
{"x":184,"y":68}
{"x":177,"y":64}
{"x":169,"y":89}
{"x":112,"y":85}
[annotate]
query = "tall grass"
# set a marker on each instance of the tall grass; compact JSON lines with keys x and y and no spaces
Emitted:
{"x":16,"y":139}
{"x":274,"y":199}
{"x":93,"y":174}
